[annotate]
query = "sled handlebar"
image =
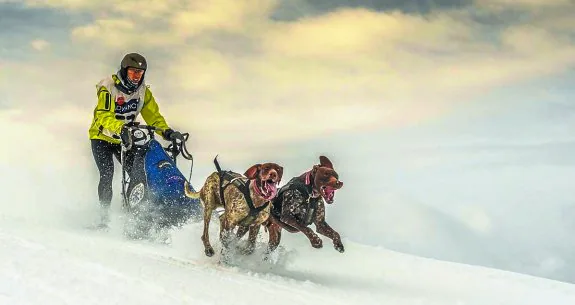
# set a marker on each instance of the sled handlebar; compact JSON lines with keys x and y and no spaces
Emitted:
{"x":142,"y":126}
{"x":151,"y":129}
{"x":176,"y":148}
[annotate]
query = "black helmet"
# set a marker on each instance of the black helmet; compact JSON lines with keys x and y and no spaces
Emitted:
{"x":134,"y":60}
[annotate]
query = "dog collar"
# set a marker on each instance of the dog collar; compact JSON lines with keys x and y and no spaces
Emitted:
{"x":257,"y":190}
{"x":314,"y":193}
{"x":308,"y":177}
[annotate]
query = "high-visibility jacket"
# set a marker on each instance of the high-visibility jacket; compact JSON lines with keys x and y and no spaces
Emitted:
{"x":116,"y":106}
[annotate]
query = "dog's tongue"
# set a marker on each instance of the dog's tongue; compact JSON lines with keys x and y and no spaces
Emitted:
{"x":271,"y":189}
{"x":330,"y":193}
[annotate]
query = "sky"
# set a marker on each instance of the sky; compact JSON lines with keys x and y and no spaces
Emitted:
{"x":450,"y":122}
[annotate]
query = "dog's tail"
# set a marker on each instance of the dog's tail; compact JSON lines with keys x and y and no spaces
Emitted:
{"x":189,"y":193}
{"x":218,"y":168}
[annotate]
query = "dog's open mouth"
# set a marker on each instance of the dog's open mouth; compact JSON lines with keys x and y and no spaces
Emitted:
{"x":328,"y":193}
{"x":268,"y":188}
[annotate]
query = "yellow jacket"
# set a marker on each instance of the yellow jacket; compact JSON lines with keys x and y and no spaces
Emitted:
{"x":116,"y":107}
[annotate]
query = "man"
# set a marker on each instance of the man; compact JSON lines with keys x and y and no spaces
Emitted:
{"x":121,"y":98}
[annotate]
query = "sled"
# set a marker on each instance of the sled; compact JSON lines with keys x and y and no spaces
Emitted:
{"x":153,"y":188}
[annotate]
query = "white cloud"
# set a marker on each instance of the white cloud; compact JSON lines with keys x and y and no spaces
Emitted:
{"x":214,"y":64}
{"x":353,"y":32}
{"x":39,"y":44}
{"x":108,"y":32}
{"x":226,"y":15}
{"x":203,"y":70}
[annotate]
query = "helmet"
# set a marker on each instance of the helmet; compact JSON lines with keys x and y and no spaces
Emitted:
{"x":134,"y":60}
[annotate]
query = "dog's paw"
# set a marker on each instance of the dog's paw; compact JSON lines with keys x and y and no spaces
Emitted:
{"x":338,"y":246}
{"x":316,"y":242}
{"x":209,"y":251}
{"x":247,"y":250}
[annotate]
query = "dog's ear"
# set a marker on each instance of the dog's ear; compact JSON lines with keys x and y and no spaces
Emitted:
{"x":252,"y":171}
{"x":324,"y":161}
{"x":314,"y":169}
{"x":280,"y":170}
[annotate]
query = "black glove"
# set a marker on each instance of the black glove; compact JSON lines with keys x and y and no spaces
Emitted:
{"x":172,"y":135}
{"x":126,"y":136}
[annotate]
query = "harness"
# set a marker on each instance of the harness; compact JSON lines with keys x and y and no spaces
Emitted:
{"x":306,"y":188}
{"x":238,"y":181}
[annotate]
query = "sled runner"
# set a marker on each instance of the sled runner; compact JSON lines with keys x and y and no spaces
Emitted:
{"x":152,"y":186}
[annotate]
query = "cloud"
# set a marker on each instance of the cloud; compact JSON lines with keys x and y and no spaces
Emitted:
{"x":223,"y":15}
{"x":351,"y":32}
{"x":77,"y":5}
{"x":39,"y":44}
{"x":523,"y":3}
{"x":214,"y":64}
{"x":211,"y":70}
{"x":108,"y":32}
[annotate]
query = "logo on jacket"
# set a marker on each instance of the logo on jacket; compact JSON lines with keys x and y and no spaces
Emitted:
{"x":120,"y":100}
{"x":129,"y":106}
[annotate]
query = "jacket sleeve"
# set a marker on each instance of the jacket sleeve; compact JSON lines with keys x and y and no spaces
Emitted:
{"x":151,"y":113}
{"x":105,"y":114}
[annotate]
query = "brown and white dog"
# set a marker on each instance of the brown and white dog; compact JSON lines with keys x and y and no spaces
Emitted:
{"x":300,"y":203}
{"x":245,"y":199}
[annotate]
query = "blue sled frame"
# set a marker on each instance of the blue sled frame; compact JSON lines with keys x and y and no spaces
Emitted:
{"x":153,"y":188}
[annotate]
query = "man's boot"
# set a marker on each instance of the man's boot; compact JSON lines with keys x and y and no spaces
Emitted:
{"x":104,"y":215}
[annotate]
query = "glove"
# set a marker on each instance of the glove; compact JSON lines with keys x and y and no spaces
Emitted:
{"x":126,"y":136}
{"x":172,"y":135}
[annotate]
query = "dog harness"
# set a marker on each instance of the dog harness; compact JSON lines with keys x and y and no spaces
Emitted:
{"x":242,"y":186}
{"x":305,"y":187}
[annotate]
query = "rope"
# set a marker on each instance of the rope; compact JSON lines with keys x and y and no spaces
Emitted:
{"x":183,"y":150}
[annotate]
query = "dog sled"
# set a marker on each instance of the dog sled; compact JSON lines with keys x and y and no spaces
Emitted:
{"x":153,"y":194}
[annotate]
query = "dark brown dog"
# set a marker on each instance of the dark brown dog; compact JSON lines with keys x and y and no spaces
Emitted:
{"x":246,"y":200}
{"x":299,"y":204}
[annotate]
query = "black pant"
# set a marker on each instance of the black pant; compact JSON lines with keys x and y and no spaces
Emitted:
{"x":103,"y":152}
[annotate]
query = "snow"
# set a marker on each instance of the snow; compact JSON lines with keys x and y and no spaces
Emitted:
{"x":43,"y":263}
{"x":48,"y":256}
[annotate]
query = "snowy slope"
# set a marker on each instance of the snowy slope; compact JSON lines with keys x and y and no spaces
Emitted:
{"x":42,"y":264}
{"x":47,"y":256}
